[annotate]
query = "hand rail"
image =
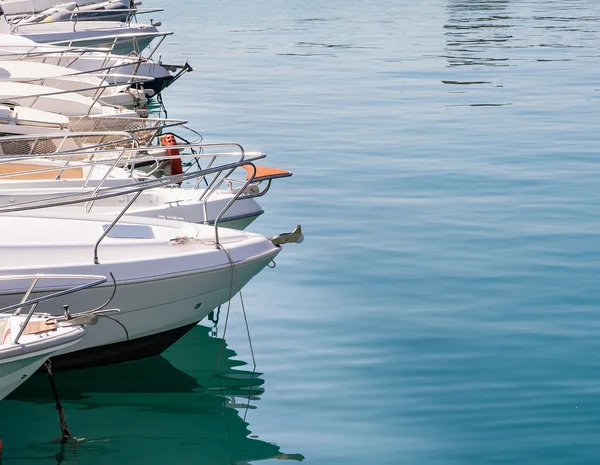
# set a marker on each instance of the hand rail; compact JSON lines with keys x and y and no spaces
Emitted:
{"x":137,"y":188}
{"x":18,"y":17}
{"x":235,"y":197}
{"x":119,"y":137}
{"x":68,"y":91}
{"x":136,"y":155}
{"x":115,"y":221}
{"x":25,"y":301}
{"x":130,"y":35}
{"x":43,"y":50}
{"x":66,"y":53}
{"x":97,"y":15}
{"x":148,"y":128}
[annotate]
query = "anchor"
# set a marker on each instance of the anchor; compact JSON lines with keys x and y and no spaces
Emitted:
{"x":295,"y":236}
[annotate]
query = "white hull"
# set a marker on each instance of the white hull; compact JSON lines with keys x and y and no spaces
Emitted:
{"x":123,"y":38}
{"x":182,"y":204}
{"x":19,"y":7}
{"x":49,"y":99}
{"x":161,"y":285}
{"x":19,"y":361}
{"x":119,"y":46}
{"x":153,"y":204}
{"x":25,"y":121}
{"x":157,"y":306}
{"x":14,"y":373}
{"x":59,"y":77}
{"x":21,"y":48}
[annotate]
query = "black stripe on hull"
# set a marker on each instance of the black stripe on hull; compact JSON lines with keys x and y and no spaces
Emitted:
{"x":158,"y":84}
{"x":134,"y":349}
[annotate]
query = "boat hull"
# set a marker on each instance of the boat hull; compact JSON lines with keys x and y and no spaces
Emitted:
{"x":19,"y":361}
{"x":158,"y":84}
{"x":152,"y":315}
{"x":115,"y":36}
{"x":162,"y":203}
{"x":134,"y":349}
{"x":14,"y":373}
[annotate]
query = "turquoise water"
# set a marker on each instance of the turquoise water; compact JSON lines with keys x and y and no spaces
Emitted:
{"x":443,"y":308}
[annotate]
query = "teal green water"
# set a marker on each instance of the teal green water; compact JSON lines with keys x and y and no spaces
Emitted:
{"x":444,"y":306}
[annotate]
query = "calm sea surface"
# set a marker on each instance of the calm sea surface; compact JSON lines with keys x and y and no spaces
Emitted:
{"x":445,"y":305}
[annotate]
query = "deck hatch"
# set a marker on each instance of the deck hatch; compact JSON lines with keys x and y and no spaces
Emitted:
{"x":129,"y":231}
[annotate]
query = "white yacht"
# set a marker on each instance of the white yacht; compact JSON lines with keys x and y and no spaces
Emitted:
{"x":17,"y":120}
{"x":169,"y":274}
{"x":58,"y":101}
{"x":64,"y":78}
{"x":20,"y":359}
{"x":71,"y":164}
{"x":122,"y":38}
{"x":28,"y":339}
{"x":118,"y":68}
{"x":24,"y":7}
{"x":42,"y":10}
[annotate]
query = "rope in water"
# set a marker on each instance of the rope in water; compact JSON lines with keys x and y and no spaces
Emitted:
{"x":234,"y":271}
{"x":64,"y":429}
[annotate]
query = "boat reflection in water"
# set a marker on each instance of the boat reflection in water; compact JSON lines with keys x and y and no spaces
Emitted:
{"x":478,"y":33}
{"x":175,"y":408}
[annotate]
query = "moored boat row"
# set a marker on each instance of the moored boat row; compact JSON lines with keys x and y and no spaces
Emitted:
{"x":91,"y":185}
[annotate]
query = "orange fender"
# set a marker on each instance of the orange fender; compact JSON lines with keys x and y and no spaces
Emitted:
{"x":176,"y":165}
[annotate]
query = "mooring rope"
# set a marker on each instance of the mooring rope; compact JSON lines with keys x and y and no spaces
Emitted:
{"x":250,"y":391}
{"x":226,"y":316}
{"x":234,"y":270}
{"x":64,"y":429}
{"x":118,"y":322}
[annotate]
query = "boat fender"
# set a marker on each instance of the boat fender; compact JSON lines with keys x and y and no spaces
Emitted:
{"x":176,"y":165}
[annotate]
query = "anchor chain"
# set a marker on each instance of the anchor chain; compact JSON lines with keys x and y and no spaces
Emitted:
{"x":64,"y":429}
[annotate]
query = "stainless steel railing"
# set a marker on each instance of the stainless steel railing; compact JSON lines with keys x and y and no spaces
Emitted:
{"x":26,"y":301}
{"x":219,"y":172}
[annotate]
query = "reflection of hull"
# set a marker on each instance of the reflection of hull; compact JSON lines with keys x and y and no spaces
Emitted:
{"x":148,"y":410}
